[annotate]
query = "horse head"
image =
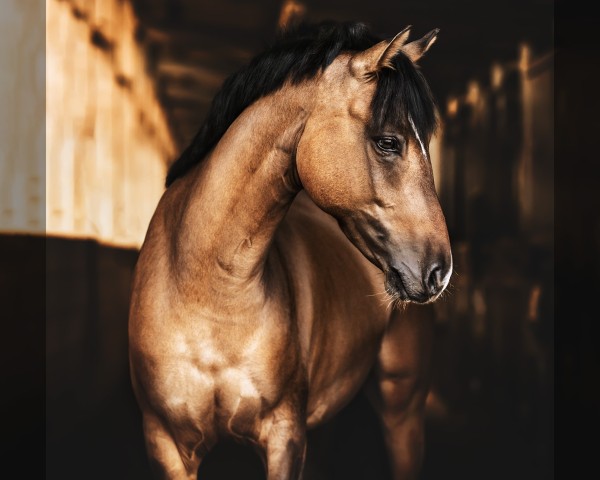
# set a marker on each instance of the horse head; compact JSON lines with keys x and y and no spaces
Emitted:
{"x":363,"y":158}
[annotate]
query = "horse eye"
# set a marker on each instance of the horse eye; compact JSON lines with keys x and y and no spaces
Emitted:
{"x":388,"y":144}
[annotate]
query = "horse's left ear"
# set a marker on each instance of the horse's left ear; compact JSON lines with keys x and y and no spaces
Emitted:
{"x":367,"y":63}
{"x":415,"y":50}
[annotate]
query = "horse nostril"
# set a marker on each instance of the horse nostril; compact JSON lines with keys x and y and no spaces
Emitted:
{"x":434,"y":279}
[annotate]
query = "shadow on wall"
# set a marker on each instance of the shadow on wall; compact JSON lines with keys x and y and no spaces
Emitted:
{"x":93,"y":424}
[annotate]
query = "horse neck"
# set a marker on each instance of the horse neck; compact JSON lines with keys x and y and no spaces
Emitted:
{"x":240,"y":193}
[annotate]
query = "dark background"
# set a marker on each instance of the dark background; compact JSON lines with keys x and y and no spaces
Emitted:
{"x":497,"y":389}
{"x":193,"y":45}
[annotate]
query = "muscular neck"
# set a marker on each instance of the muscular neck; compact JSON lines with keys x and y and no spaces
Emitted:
{"x":238,"y":195}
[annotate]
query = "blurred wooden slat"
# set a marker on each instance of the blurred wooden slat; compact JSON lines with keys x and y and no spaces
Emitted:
{"x":536,"y":165}
{"x":498,"y":149}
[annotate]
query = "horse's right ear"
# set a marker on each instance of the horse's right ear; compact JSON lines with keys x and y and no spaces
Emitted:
{"x":415,"y":50}
{"x":366,"y":64}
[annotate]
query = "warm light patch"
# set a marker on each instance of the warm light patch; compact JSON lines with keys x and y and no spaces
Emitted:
{"x":497,"y":76}
{"x":524,"y":57}
{"x":452,"y":107}
{"x":291,"y":10}
{"x":473,"y":93}
{"x":107,"y":139}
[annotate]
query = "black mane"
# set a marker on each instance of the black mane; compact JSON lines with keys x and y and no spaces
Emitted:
{"x":300,"y":54}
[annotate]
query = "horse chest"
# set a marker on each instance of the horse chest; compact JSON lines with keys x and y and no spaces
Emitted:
{"x":223,"y":383}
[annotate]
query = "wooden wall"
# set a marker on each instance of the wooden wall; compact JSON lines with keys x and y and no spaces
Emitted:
{"x":22,"y":132}
{"x":108,"y":142}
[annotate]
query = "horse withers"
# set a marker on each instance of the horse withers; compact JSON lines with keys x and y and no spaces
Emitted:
{"x":298,"y":221}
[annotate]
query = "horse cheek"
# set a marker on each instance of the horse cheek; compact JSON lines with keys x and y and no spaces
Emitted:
{"x":314,"y":168}
{"x":322,"y":171}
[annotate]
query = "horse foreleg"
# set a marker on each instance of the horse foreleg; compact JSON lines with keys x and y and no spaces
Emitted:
{"x":399,"y":386}
{"x":167,"y":460}
{"x":285,"y":446}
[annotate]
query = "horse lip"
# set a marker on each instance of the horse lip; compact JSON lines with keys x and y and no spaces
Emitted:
{"x":395,"y":284}
{"x":421,"y":298}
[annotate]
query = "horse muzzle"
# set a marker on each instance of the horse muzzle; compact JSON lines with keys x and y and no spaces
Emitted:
{"x":418,"y":285}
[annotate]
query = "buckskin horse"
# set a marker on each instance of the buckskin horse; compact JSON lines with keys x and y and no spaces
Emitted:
{"x":294,"y":227}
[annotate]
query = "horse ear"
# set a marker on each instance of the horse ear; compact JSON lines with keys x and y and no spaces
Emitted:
{"x":415,"y":50}
{"x":392,"y":49}
{"x":367,"y":63}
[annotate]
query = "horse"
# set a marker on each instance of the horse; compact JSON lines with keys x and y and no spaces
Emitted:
{"x":280,"y":268}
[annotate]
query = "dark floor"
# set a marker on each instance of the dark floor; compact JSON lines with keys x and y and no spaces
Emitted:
{"x":494,"y":384}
